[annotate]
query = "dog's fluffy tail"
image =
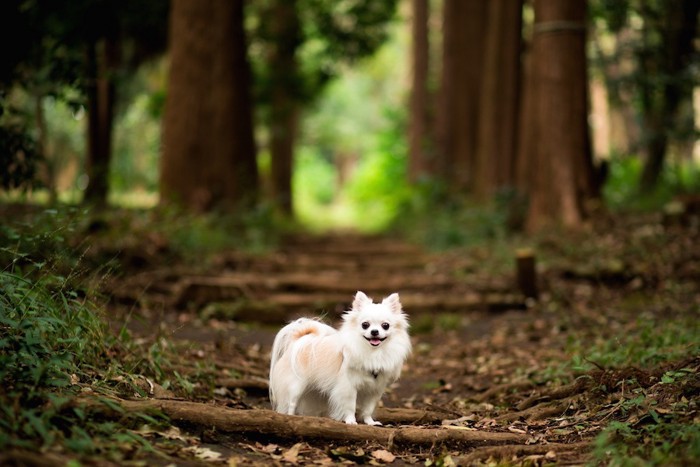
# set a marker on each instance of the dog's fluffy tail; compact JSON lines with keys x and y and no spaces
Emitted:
{"x":286,"y":337}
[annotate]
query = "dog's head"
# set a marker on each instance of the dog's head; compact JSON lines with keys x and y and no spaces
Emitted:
{"x":376,"y":322}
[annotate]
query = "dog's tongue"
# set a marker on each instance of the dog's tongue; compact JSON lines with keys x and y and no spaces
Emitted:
{"x":375,"y":341}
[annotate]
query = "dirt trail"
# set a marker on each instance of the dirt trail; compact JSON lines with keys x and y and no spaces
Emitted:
{"x":477,"y":353}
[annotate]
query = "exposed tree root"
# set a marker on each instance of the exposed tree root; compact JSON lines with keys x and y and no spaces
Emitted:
{"x":29,"y":459}
{"x":508,"y":452}
{"x":538,"y":412}
{"x":267,"y":422}
{"x":255,"y":384}
{"x":577,"y":387}
{"x":502,"y":388}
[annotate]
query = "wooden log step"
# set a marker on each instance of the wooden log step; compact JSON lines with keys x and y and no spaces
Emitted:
{"x":295,"y":261}
{"x":235,"y":285}
{"x":282,"y":307}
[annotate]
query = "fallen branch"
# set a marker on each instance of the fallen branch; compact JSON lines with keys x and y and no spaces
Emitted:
{"x":507,"y":452}
{"x":268,"y":422}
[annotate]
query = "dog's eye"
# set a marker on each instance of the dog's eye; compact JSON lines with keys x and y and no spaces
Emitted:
{"x":365,"y":325}
{"x":385,"y":326}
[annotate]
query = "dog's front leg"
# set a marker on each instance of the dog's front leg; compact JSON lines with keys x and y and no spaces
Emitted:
{"x":366,"y":404}
{"x":343,"y":402}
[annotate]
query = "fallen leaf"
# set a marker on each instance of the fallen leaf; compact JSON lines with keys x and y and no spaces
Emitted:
{"x":291,"y":455}
{"x":383,"y":455}
{"x":204,"y":453}
{"x":270,"y":448}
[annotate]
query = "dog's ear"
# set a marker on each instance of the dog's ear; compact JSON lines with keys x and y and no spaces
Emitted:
{"x":360,"y":301}
{"x":392,"y":301}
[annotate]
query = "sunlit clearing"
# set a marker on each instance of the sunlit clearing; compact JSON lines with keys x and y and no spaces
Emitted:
{"x":350,"y":164}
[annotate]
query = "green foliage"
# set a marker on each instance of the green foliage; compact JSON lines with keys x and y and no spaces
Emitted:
{"x":621,"y":191}
{"x":18,"y":152}
{"x":331,"y":35}
{"x":649,"y":343}
{"x":314,"y":189}
{"x":197,"y":235}
{"x":440,"y":221}
{"x":55,"y":344}
{"x":357,"y":126}
{"x":654,"y":443}
{"x":50,"y":336}
{"x":136,"y":149}
{"x":37,"y":239}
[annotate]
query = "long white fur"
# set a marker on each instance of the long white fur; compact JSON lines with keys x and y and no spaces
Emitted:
{"x":318,"y":370}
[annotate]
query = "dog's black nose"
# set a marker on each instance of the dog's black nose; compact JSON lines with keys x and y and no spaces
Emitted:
{"x":374,"y":332}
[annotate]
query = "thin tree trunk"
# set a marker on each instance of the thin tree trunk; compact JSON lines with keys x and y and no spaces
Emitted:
{"x":284,"y":112}
{"x":419,"y":137}
{"x":678,"y":32}
{"x":526,"y":129}
{"x":464,"y":23}
{"x":101,"y":60}
{"x":497,"y":138}
{"x":208,"y":156}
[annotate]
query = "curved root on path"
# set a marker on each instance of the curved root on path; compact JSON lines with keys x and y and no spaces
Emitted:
{"x":268,"y":422}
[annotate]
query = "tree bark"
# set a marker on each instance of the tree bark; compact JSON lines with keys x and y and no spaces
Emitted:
{"x":561,"y":163}
{"x":497,"y":137}
{"x":420,"y":145}
{"x":464,"y":23}
{"x":208,"y":158}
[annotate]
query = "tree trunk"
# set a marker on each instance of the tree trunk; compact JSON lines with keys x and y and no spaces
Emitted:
{"x":419,"y":136}
{"x":678,"y":30}
{"x":464,"y":26}
{"x":497,"y":137}
{"x":208,"y":156}
{"x":284,"y":111}
{"x":526,"y":134}
{"x":561,"y":164}
{"x":102,"y":58}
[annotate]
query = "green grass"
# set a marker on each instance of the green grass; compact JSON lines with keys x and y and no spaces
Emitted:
{"x":645,"y":343}
{"x":51,"y":338}
{"x":656,"y":442}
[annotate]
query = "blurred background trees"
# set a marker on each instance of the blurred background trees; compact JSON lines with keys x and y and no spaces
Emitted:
{"x":353,"y":113}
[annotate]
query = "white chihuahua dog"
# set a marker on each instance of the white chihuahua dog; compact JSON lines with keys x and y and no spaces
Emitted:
{"x":318,"y":370}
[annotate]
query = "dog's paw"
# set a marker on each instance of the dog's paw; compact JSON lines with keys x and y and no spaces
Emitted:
{"x":351,"y":420}
{"x":371,"y":422}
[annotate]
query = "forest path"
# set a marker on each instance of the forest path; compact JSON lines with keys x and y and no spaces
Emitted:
{"x":487,"y":379}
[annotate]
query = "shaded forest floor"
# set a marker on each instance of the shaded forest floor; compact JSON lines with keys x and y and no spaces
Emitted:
{"x":603,"y":367}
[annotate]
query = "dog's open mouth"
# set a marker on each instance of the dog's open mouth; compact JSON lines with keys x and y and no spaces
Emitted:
{"x":375,"y":341}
